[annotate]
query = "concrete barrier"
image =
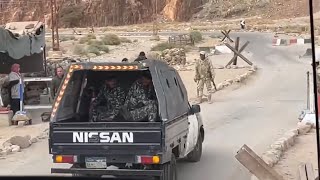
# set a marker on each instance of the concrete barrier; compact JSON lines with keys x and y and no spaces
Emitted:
{"x":279,"y":42}
{"x":286,"y":42}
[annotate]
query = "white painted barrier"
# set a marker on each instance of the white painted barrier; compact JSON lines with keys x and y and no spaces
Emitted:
{"x":223,"y":49}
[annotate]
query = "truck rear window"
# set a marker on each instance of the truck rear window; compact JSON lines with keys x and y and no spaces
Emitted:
{"x":109,"y":96}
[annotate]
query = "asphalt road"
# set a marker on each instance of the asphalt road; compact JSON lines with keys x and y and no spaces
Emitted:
{"x":255,"y":113}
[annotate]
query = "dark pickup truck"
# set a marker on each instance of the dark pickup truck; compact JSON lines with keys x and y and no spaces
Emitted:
{"x":120,"y":148}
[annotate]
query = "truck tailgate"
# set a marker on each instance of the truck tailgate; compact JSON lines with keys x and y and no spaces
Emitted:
{"x":105,"y":138}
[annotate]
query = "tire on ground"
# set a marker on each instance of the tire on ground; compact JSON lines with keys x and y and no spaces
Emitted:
{"x":169,"y":170}
{"x":196,"y":153}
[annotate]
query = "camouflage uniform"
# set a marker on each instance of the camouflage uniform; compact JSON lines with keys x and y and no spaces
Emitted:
{"x":108,"y":103}
{"x":141,"y":103}
{"x":204,"y":75}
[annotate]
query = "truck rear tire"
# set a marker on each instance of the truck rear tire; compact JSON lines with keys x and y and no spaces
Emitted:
{"x":169,"y":170}
{"x":196,"y":153}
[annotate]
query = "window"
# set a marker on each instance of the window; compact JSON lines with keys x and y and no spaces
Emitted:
{"x":175,"y":81}
{"x":178,"y":85}
{"x":168,"y":83}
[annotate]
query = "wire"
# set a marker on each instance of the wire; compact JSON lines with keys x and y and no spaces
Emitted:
{"x":314,"y":68}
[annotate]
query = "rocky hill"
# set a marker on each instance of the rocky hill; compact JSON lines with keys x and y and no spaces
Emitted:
{"x":269,"y":9}
{"x":84,"y":13}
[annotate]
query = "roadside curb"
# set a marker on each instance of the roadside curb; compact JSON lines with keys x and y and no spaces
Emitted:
{"x":16,"y":144}
{"x":279,"y":147}
{"x":238,"y":79}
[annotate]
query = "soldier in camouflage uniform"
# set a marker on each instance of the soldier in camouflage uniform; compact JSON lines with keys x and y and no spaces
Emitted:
{"x":141,"y":103}
{"x":204,"y":74}
{"x":109,"y":101}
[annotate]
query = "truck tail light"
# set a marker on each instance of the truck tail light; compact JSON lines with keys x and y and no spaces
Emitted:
{"x":148,"y":159}
{"x":65,"y":159}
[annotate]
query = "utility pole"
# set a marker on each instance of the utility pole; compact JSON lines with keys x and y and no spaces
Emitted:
{"x":54,"y":26}
{"x":155,"y":35}
{"x":155,"y":23}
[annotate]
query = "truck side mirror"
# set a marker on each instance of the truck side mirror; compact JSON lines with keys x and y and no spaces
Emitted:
{"x":195,"y":109}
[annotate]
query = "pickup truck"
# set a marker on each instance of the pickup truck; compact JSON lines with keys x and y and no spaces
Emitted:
{"x":120,"y":148}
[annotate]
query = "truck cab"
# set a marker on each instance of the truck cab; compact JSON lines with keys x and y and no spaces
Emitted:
{"x":119,"y":147}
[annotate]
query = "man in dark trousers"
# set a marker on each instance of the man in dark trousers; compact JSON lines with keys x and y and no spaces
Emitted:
{"x":141,"y":57}
{"x":14,"y":86}
{"x":56,"y":81}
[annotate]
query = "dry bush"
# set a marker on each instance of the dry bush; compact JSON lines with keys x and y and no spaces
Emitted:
{"x":125,"y":40}
{"x":111,"y":39}
{"x":80,"y":50}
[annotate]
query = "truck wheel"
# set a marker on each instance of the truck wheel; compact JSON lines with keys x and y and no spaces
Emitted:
{"x":169,"y":170}
{"x":196,"y":153}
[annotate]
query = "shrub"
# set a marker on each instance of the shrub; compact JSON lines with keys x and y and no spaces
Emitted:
{"x":87,"y":38}
{"x":91,"y":36}
{"x":72,"y":37}
{"x":83,"y":40}
{"x":95,"y":42}
{"x":196,"y":36}
{"x":63,"y":38}
{"x":79,"y":50}
{"x":93,"y":49}
{"x":99,"y":45}
{"x":111,"y":39}
{"x":104,"y":48}
{"x":67,"y":38}
{"x":105,"y":29}
{"x":125,"y":40}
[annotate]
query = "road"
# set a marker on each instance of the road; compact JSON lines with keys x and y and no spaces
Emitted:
{"x":255,"y":114}
{"x":138,"y":34}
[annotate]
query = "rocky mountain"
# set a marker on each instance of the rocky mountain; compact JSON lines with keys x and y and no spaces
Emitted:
{"x":268,"y":9}
{"x":84,"y":13}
